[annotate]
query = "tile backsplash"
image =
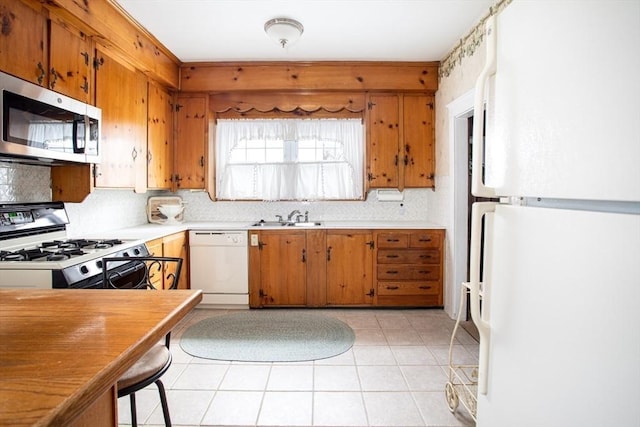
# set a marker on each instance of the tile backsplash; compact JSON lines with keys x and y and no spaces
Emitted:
{"x":24,"y":183}
{"x":105,"y":210}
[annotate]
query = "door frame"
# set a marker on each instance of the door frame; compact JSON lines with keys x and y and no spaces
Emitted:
{"x":459,"y":111}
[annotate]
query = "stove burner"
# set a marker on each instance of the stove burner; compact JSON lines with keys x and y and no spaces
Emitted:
{"x":104,"y":244}
{"x":81,"y":243}
{"x":39,"y":254}
{"x":60,"y":250}
{"x":11,"y":256}
{"x":23,"y":255}
{"x":64,"y":254}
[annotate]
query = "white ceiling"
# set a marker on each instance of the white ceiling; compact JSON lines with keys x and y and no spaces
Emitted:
{"x":334,"y":30}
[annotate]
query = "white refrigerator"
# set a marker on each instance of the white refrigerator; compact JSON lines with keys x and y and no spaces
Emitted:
{"x":555,"y":282}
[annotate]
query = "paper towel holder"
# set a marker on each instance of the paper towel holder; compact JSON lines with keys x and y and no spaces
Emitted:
{"x":389,"y":195}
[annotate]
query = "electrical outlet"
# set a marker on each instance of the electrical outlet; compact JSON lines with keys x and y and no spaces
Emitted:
{"x":254,"y":240}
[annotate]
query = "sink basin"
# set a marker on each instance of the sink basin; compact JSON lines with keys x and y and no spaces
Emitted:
{"x":263,"y":223}
{"x":268,"y":224}
{"x":304,"y":224}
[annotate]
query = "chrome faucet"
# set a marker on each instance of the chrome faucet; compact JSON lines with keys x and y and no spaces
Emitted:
{"x":290,"y":216}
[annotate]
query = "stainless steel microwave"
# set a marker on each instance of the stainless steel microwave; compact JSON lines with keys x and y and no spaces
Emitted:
{"x":44,"y":127}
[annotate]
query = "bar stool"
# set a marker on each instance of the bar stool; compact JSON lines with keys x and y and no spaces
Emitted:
{"x":144,"y":273}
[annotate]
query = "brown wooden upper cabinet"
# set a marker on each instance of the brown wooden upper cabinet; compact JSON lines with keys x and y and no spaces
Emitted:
{"x":191,"y":142}
{"x":48,"y":52}
{"x":70,"y":61}
{"x":121,"y":93}
{"x":22,"y":41}
{"x":400,"y":139}
{"x":159,"y":137}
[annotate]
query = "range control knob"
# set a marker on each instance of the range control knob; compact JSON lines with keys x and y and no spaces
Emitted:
{"x":84,"y":269}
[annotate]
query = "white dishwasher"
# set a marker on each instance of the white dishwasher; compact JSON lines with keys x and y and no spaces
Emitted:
{"x":219,"y":266}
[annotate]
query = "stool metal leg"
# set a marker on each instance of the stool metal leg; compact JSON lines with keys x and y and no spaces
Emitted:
{"x":134,"y":418}
{"x":163,"y":401}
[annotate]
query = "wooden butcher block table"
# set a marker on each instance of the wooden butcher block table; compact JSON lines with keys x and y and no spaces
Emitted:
{"x":62,"y":351}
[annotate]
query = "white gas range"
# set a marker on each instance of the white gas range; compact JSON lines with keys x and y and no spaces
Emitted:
{"x":35,"y":251}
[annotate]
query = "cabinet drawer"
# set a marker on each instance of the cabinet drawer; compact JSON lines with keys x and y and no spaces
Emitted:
{"x":393,"y":240}
{"x":425,"y":239}
{"x":408,"y":272}
{"x":408,"y":256}
{"x":408,"y":288}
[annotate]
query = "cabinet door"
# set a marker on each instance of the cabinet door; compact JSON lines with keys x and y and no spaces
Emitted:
{"x":155,"y":249}
{"x":349,"y":267}
{"x":383,"y":136}
{"x":159,"y":138}
{"x":175,"y":245}
{"x":418,"y":147}
{"x":70,"y":57}
{"x":22,"y":41}
{"x":121,"y":93}
{"x":191,"y":141}
{"x":283,"y":268}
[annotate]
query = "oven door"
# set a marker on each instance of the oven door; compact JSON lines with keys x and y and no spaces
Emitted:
{"x":123,"y":276}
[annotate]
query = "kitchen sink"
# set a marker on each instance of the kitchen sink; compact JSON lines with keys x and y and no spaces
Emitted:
{"x":303,"y":224}
{"x":263,"y":223}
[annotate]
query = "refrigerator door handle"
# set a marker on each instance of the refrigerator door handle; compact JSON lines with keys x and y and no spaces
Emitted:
{"x":478,"y":210}
{"x":478,"y":187}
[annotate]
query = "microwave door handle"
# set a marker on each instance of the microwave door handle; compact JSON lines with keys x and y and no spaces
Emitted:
{"x":79,"y":144}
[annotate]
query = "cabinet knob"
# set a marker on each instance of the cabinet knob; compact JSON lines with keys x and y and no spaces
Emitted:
{"x":41,"y":73}
{"x":54,"y":78}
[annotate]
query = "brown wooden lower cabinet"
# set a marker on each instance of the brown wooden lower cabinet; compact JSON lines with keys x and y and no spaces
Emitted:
{"x":409,"y":267}
{"x":173,"y":245}
{"x":336,"y":267}
{"x":349,"y":267}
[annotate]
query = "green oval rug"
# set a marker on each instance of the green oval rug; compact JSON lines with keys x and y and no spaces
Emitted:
{"x":267,"y":336}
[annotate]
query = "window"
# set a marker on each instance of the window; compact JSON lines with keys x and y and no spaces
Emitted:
{"x":289,"y":159}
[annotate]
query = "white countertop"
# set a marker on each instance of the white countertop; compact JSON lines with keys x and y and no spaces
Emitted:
{"x":148,"y":232}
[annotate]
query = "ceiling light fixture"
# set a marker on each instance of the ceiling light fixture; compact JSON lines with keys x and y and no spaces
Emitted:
{"x":284,"y":31}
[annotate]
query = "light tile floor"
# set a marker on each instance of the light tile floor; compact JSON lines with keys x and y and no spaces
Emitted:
{"x":394,"y":375}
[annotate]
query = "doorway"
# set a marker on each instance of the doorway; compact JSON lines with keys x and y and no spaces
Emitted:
{"x":461,"y":116}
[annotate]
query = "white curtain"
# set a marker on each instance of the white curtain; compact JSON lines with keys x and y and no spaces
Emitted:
{"x":52,"y":136}
{"x":259,"y":159}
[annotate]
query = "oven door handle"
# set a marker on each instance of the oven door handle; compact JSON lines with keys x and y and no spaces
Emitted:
{"x":125,"y":269}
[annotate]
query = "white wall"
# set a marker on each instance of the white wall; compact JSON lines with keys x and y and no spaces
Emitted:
{"x":441,"y":202}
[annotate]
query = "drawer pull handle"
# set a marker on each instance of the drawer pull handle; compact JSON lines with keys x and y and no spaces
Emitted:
{"x":393,"y":240}
{"x":425,"y":256}
{"x":424,"y":271}
{"x":425,"y":240}
{"x":392,"y":288}
{"x":392,"y":271}
{"x":425,"y":287}
{"x":393,"y":256}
